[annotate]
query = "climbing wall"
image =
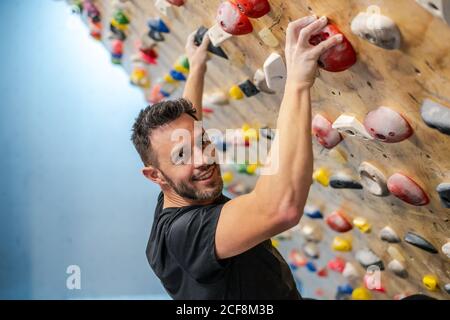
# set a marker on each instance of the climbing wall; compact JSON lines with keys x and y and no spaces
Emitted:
{"x":386,"y":154}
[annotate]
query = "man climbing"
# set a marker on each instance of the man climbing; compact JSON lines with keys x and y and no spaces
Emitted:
{"x":203,"y":245}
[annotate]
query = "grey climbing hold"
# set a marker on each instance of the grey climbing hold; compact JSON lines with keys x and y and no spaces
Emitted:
{"x":397,"y":268}
{"x":419,"y":242}
{"x":446,"y":249}
{"x":248,"y":88}
{"x":260,"y":82}
{"x":447,"y":288}
{"x":342,"y":180}
{"x":444,"y":193}
{"x":367,"y":258}
{"x":377,"y":29}
{"x":311,"y":251}
{"x":389,"y":235}
{"x":215,"y":50}
{"x":436,"y":116}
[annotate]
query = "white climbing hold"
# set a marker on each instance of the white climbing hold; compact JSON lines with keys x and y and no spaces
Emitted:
{"x":349,"y":125}
{"x":350,"y":272}
{"x":397,"y":268}
{"x":373,"y":180}
{"x":217,"y":35}
{"x":165,"y":8}
{"x":311,"y":250}
{"x":446,"y":249}
{"x":275,"y":71}
{"x":311,"y":232}
{"x":389,"y":235}
{"x":259,"y":79}
{"x":367,"y":258}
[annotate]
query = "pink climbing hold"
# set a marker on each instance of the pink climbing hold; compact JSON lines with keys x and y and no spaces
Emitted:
{"x":177,"y":3}
{"x":232,"y":20}
{"x":407,"y":190}
{"x":324,"y":132}
{"x":387,"y":125}
{"x":297,"y":259}
{"x":338,"y":221}
{"x":117,"y":46}
{"x":337,"y":264}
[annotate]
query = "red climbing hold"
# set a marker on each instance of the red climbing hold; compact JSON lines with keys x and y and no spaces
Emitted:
{"x":232,"y":20}
{"x":407,"y":190}
{"x":324,"y":132}
{"x":177,"y":3}
{"x":117,"y":46}
{"x":322,"y":272}
{"x":387,"y":125}
{"x":337,"y":264}
{"x":253,"y":8}
{"x":338,"y":58}
{"x":338,"y":221}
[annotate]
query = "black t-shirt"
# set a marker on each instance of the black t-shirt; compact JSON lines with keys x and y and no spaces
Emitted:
{"x":181,"y":252}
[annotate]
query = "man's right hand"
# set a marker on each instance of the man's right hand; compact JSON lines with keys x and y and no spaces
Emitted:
{"x":301,"y":56}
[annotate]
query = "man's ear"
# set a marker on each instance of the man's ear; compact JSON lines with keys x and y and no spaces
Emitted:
{"x":153,"y":174}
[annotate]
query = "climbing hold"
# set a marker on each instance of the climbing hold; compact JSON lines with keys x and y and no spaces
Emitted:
{"x":198,"y":38}
{"x":95,"y":30}
{"x":436,"y":115}
{"x":407,"y":190}
{"x":121,"y":18}
{"x":337,"y":264}
{"x":350,"y":272}
{"x":338,"y":58}
{"x":236,"y":93}
{"x":362,"y":224}
{"x":431,"y":282}
{"x":117,"y":47}
{"x":178,"y":76}
{"x":227,"y":177}
{"x":158,"y":25}
{"x":297,"y":259}
{"x":116,"y":33}
{"x":372,"y":280}
{"x":165,"y":8}
{"x":351,"y":126}
{"x":267,"y":133}
{"x":313,"y":212}
{"x":311,"y":233}
{"x":338,"y":221}
{"x":439,"y":8}
{"x":387,"y":125}
{"x":155,"y":94}
{"x":268,"y":38}
{"x":367,"y":258}
{"x":344,"y":180}
{"x":447,"y":288}
{"x":260,"y":82}
{"x":324,"y":132}
{"x":168,"y":88}
{"x":345,"y":289}
{"x":139,"y":77}
{"x":275,"y":243}
{"x":389,"y":235}
{"x":155,"y":35}
{"x":361,"y":293}
{"x":311,"y":251}
{"x":251,"y":169}
{"x":217,"y":35}
{"x":419,"y":242}
{"x":443,"y":190}
{"x":377,"y":29}
{"x":275,"y":71}
{"x":338,"y":156}
{"x":322,"y":272}
{"x":248,"y":88}
{"x":397,"y":268}
{"x":341,"y":244}
{"x":253,"y":8}
{"x":446,"y":249}
{"x":373,"y":179}
{"x":395,"y":254}
{"x":232,"y":20}
{"x":311,"y":266}
{"x":168,"y":78}
{"x":177,"y":3}
{"x":322,"y":176}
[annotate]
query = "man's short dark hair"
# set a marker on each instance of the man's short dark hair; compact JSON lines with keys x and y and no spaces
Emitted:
{"x":153,"y":117}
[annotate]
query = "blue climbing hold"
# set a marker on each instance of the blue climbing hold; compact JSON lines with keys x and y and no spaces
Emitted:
{"x":344,"y":289}
{"x":164,"y":93}
{"x":313,"y":213}
{"x":158,"y":25}
{"x":177,"y":75}
{"x":311,"y":266}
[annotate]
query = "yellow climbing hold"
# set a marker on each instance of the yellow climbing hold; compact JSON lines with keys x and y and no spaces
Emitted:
{"x":236,"y":93}
{"x":251,"y":168}
{"x":180,"y":68}
{"x":362,"y":224}
{"x":119,"y":26}
{"x":361,"y":293}
{"x":275,"y":242}
{"x":168,"y":78}
{"x":430,"y":282}
{"x":341,"y":244}
{"x":227,"y":177}
{"x":322,"y":176}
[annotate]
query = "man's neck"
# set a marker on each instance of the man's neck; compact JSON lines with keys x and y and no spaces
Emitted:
{"x":173,"y":200}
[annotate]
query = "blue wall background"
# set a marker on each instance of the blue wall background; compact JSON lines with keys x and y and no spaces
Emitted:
{"x":70,"y":191}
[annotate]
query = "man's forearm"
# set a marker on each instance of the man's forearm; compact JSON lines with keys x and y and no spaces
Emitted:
{"x":288,"y":188}
{"x":193,"y":90}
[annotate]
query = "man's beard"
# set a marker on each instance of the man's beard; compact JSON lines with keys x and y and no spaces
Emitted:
{"x":187,"y":191}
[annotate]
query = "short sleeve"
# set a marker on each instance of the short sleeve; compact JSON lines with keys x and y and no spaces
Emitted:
{"x":191,"y":240}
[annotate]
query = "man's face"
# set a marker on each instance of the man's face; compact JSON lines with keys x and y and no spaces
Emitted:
{"x":187,"y":159}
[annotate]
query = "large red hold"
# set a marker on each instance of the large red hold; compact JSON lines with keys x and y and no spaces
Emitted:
{"x":338,"y":58}
{"x":177,"y":3}
{"x":407,"y":190}
{"x":253,"y":8}
{"x":338,"y":221}
{"x":232,"y":20}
